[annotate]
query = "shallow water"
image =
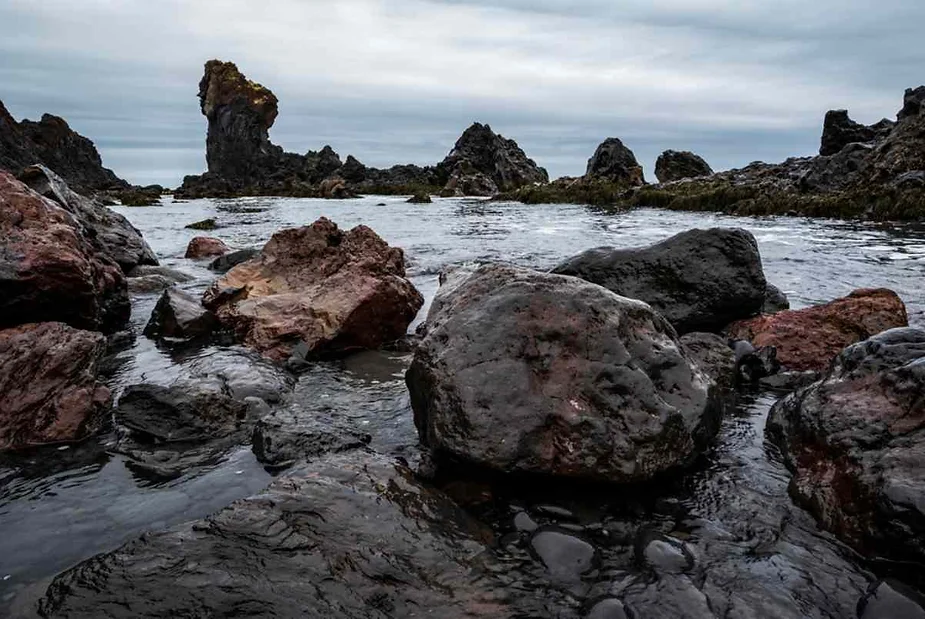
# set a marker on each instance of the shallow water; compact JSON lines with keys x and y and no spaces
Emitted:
{"x":58,"y":507}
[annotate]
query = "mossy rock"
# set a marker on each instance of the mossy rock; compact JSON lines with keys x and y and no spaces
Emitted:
{"x":420,"y":198}
{"x":205,"y":224}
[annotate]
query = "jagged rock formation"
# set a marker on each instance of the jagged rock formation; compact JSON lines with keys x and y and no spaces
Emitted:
{"x":838,"y":130}
{"x":480,"y":153}
{"x":614,"y":162}
{"x":673,"y":165}
{"x":53,"y":143}
{"x":243,"y":161}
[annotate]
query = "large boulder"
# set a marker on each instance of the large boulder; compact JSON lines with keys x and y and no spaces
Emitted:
{"x":701,"y":280}
{"x":808,"y":339}
{"x":53,"y":143}
{"x":49,"y":268}
{"x":673,"y":165}
{"x":481,"y":151}
{"x":614,"y":162}
{"x":522,"y":371}
{"x":110,"y":232}
{"x":179,"y":315}
{"x":856,"y":442}
{"x":49,"y":386}
{"x":352,"y":535}
{"x":319,"y":288}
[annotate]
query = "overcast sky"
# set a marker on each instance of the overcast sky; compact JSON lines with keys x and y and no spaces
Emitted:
{"x":396,"y":81}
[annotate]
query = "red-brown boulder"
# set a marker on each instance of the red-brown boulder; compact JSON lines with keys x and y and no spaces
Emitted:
{"x":206,"y":247}
{"x":808,"y":339}
{"x":49,"y":391}
{"x":319,"y":288}
{"x":49,"y":269}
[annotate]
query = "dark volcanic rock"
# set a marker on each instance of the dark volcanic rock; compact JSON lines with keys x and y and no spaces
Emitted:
{"x":179,"y":315}
{"x":465,"y":180}
{"x":523,"y":371}
{"x":49,"y":388}
{"x":148,"y":279}
{"x":774,"y":300}
{"x":110,"y":232}
{"x":53,"y":143}
{"x":179,"y":413}
{"x":205,"y":224}
{"x":839,"y":130}
{"x":420,"y":198}
{"x":225,"y":263}
{"x":288,"y":436}
{"x":808,"y":339}
{"x":856,"y":442}
{"x":701,"y":280}
{"x":320,"y":288}
{"x":614,"y":162}
{"x":713,"y":355}
{"x":50,"y":270}
{"x":483,"y":151}
{"x":673,"y":165}
{"x":351,"y":535}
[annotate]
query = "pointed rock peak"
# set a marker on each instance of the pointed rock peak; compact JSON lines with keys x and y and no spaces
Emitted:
{"x":839,"y":130}
{"x":913,"y":103}
{"x":479,"y":150}
{"x":614,"y":162}
{"x":673,"y":165}
{"x":224,"y":85}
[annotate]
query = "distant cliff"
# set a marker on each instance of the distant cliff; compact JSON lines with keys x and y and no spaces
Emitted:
{"x":243,"y":161}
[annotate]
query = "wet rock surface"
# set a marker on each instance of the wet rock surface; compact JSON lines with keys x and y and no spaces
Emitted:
{"x":225,"y":263}
{"x":180,"y":315}
{"x":713,"y":356}
{"x":701,"y":280}
{"x":808,"y":339}
{"x":854,"y":441}
{"x":673,"y":165}
{"x":318,"y":289}
{"x":347,"y":536}
{"x":50,"y":270}
{"x":523,"y":371}
{"x":293,"y":434}
{"x":50,"y":390}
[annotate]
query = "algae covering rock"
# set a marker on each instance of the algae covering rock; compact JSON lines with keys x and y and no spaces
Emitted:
{"x":352,"y":535}
{"x":701,"y":280}
{"x":320,"y":289}
{"x":808,"y":339}
{"x":527,"y":372}
{"x":50,"y":391}
{"x":856,"y":444}
{"x":50,"y":270}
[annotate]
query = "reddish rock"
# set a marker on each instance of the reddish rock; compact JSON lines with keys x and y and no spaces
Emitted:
{"x":206,"y":247}
{"x":808,"y":339}
{"x":318,"y":287}
{"x":49,"y":392}
{"x":49,"y":268}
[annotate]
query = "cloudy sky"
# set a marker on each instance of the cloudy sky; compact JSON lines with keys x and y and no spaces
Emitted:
{"x":396,"y":81}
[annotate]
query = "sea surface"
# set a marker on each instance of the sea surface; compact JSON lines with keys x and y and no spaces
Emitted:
{"x":59,"y":506}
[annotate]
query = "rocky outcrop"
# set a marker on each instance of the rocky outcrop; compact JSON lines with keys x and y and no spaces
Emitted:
{"x":673,"y":165}
{"x":50,"y":270}
{"x":225,"y":263}
{"x":902,"y":152}
{"x":284,"y":437}
{"x":319,"y":288}
{"x":111,"y":233}
{"x":352,"y":535}
{"x":527,"y":372}
{"x":808,"y":339}
{"x":420,"y":198}
{"x":855,"y":442}
{"x":179,"y":316}
{"x":481,"y":154}
{"x":49,"y":386}
{"x":243,"y":161}
{"x":53,"y":143}
{"x":838,"y":130}
{"x":206,"y":247}
{"x":701,"y":280}
{"x":615,"y":163}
